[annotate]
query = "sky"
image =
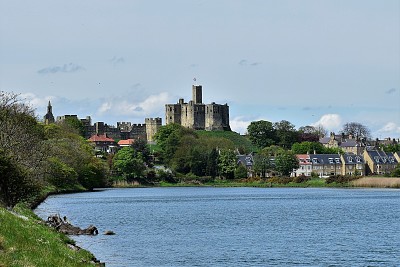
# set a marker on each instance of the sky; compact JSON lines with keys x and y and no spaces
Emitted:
{"x":310,"y":62}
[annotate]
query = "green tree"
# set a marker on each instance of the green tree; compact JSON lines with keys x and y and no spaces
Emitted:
{"x":262,"y":133}
{"x":60,"y":174}
{"x":308,"y":147}
{"x":141,"y":146}
{"x":286,"y":134}
{"x":286,"y":162}
{"x":130,"y":164}
{"x":212,"y":163}
{"x":241,"y":172}
{"x":227,"y":163}
{"x":262,"y":164}
{"x":15,"y":185}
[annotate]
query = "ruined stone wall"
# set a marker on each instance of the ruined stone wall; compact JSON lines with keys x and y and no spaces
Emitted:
{"x":217,"y":117}
{"x":173,"y":113}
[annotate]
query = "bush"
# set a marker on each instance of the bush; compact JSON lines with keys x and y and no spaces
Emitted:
{"x":241,"y":172}
{"x":15,"y":184}
{"x":301,"y":179}
{"x":279,"y":180}
{"x":340,"y":179}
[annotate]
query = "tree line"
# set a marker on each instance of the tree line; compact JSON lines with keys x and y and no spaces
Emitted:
{"x":36,"y":158}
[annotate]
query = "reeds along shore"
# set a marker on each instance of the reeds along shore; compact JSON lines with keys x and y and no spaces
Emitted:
{"x":378,"y":182}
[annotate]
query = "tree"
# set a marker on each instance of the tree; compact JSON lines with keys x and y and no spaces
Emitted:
{"x":15,"y":185}
{"x":141,"y":146}
{"x":60,"y":174}
{"x":227,"y":163}
{"x":308,"y":134}
{"x":357,"y":130}
{"x":129,"y":164}
{"x":212,"y":163}
{"x":286,"y":162}
{"x":262,"y":164}
{"x":308,"y":147}
{"x":241,"y":172}
{"x":262,"y":133}
{"x":286,"y":133}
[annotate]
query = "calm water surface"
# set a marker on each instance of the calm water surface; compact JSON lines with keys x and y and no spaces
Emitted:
{"x":237,"y":226}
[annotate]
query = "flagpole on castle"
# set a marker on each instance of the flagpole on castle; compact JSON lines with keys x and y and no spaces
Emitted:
{"x":194,"y":79}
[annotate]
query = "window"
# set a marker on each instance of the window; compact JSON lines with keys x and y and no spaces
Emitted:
{"x":350,"y":159}
{"x":337,"y":160}
{"x":376,"y":158}
{"x":358,"y":159}
{"x":315,"y":161}
{"x":331,"y":160}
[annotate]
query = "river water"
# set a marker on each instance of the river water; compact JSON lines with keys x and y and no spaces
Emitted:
{"x":204,"y":226}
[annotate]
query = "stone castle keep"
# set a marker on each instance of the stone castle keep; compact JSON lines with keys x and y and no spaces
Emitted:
{"x":196,"y":115}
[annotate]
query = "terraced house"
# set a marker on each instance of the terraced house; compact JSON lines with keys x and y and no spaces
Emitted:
{"x":379,"y":162}
{"x":325,"y":165}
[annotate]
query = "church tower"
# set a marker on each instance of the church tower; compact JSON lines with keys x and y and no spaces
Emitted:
{"x":49,"y":118}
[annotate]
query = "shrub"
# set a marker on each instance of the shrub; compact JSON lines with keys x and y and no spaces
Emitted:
{"x":301,"y":179}
{"x":340,"y":179}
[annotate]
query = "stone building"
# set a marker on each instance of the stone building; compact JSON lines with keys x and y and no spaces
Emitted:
{"x":123,"y":130}
{"x":49,"y":118}
{"x":196,"y":115}
{"x":152,"y":126}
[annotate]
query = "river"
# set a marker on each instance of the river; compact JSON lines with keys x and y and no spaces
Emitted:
{"x":205,"y":226}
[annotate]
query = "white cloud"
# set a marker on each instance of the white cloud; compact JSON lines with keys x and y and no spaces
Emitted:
{"x":389,"y":129}
{"x":121,"y":106}
{"x":331,"y":122}
{"x":36,"y":101}
{"x":239,"y":125}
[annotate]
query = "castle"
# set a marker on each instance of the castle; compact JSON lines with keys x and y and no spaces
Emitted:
{"x":123,"y":130}
{"x":196,"y":115}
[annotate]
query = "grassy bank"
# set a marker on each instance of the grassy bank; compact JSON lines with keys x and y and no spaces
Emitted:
{"x":26,"y":241}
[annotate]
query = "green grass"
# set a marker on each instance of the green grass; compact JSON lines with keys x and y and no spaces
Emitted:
{"x":27,"y":241}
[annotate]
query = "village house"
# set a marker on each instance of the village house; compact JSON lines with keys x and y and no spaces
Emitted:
{"x":126,"y":143}
{"x":347,"y":143}
{"x":247,"y":161}
{"x":379,"y":162}
{"x":305,"y":167}
{"x":352,"y":164}
{"x":103,"y":143}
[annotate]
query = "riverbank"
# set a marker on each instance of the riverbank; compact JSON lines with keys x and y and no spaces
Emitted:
{"x":375,"y":182}
{"x":26,"y":241}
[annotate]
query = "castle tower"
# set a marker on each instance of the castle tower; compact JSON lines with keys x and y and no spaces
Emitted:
{"x":49,"y":118}
{"x":152,"y":126}
{"x":197,"y":94}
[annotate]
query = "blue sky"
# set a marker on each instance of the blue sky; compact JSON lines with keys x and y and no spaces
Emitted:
{"x":305,"y":61}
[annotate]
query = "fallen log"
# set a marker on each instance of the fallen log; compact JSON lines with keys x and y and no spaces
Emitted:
{"x":64,"y":226}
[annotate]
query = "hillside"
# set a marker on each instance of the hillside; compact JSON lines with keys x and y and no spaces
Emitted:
{"x":240,"y":142}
